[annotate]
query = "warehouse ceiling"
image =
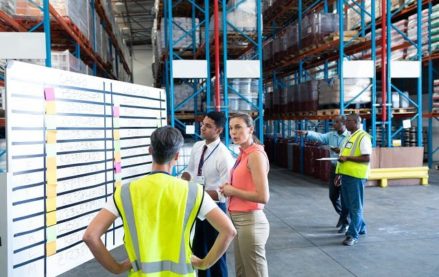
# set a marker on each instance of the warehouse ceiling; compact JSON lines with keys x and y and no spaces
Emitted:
{"x":135,"y":19}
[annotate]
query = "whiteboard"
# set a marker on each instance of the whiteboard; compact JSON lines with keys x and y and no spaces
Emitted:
{"x":71,"y":139}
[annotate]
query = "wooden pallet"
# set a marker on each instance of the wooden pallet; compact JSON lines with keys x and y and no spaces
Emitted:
{"x":347,"y":35}
{"x":404,"y":110}
{"x":400,"y":110}
{"x":357,"y":111}
{"x":184,"y":115}
{"x":307,"y":113}
{"x":328,"y":112}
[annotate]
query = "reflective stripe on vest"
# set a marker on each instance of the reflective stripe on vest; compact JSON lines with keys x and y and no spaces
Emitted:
{"x":151,"y":267}
{"x":354,"y":169}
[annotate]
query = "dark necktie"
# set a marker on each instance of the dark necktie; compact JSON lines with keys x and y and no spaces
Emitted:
{"x":200,"y":165}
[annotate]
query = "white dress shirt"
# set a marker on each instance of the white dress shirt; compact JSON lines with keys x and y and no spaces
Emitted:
{"x":218,"y":161}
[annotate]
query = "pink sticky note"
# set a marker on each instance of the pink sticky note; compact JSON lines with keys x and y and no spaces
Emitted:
{"x":49,"y":94}
{"x":116,"y":111}
{"x":118,"y":167}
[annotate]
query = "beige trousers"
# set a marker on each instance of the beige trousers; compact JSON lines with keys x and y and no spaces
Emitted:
{"x":249,"y":244}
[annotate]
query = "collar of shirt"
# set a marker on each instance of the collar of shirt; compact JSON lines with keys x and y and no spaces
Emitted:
{"x":212,"y":145}
{"x":356,"y":132}
{"x":217,"y":165}
{"x":345,"y":133}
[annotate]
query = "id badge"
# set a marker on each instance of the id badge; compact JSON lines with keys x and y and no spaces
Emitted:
{"x":200,"y":180}
{"x":348,"y":145}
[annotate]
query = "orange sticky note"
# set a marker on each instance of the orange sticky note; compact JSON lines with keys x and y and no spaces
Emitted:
{"x":51,"y":136}
{"x":117,"y":156}
{"x":50,"y":107}
{"x":51,"y":190}
{"x":116,"y":134}
{"x":51,"y":204}
{"x":51,"y":218}
{"x":51,"y":176}
{"x":51,"y":164}
{"x":51,"y":248}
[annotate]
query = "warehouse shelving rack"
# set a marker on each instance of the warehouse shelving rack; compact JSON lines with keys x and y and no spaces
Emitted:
{"x":299,"y":63}
{"x":78,"y":43}
{"x":255,"y":55}
{"x":200,"y":82}
{"x":390,"y":86}
{"x":209,"y":52}
{"x":432,"y":71}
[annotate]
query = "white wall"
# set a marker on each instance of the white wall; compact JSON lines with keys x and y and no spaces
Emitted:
{"x":142,"y":60}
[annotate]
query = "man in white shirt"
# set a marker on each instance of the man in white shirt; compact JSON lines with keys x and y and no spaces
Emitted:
{"x":210,"y":164}
{"x":162,"y":215}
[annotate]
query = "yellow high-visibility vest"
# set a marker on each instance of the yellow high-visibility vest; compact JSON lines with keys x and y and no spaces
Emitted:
{"x":158,"y":212}
{"x":352,"y":148}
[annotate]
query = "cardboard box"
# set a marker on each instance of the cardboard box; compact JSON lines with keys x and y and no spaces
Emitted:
{"x":397,"y":157}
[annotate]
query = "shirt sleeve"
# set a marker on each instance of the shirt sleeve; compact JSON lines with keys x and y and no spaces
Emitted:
{"x":111,"y":206}
{"x":314,"y":136}
{"x":191,"y":165}
{"x":366,"y":146}
{"x":224,"y":166}
{"x":206,"y":206}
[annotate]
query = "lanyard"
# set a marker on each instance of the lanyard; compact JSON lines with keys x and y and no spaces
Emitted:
{"x":337,"y":137}
{"x":211,"y":153}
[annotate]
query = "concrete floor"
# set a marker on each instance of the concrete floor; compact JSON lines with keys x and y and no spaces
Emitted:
{"x":402,"y":238}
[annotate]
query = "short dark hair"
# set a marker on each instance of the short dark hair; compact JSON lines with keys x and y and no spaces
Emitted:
{"x":165,"y":143}
{"x":354,"y":116}
{"x":218,"y":117}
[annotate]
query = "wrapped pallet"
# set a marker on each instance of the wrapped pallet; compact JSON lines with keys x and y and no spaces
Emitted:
{"x":7,"y":6}
{"x":317,"y":26}
{"x":182,"y":39}
{"x":76,"y":11}
{"x":329,"y":91}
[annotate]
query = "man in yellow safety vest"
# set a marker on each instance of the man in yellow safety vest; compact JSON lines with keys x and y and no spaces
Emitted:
{"x":158,"y":211}
{"x":352,"y":170}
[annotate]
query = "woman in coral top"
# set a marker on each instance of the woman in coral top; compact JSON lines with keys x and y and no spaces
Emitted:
{"x":248,"y":192}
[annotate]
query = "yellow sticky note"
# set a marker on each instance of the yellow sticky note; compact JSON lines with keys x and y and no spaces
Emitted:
{"x":51,"y":204}
{"x":51,"y":164}
{"x":51,"y":176}
{"x":51,"y":248}
{"x":51,"y":190}
{"x":50,"y":107}
{"x":51,"y":136}
{"x":51,"y":218}
{"x":117,"y":157}
{"x":116,"y":134}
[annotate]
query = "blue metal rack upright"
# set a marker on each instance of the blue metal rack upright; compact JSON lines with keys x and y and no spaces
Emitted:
{"x":431,"y":116}
{"x":389,"y":82}
{"x":256,"y":44}
{"x":199,"y":84}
